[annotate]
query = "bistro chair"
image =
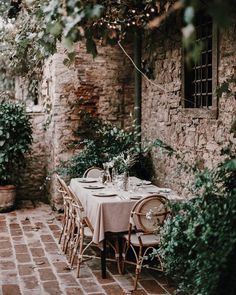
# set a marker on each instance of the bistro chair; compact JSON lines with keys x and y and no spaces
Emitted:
{"x":93,"y":172}
{"x":68,"y":216}
{"x":79,"y":222}
{"x":83,"y":238}
{"x":146,"y":219}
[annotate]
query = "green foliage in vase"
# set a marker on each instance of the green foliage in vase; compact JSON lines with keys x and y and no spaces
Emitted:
{"x":199,"y":240}
{"x":15,"y":141}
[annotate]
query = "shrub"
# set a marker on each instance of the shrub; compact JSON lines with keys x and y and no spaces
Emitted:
{"x":199,"y":240}
{"x":101,"y":142}
{"x":15,"y":141}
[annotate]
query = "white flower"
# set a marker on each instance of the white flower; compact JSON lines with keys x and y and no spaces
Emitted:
{"x":149,"y":214}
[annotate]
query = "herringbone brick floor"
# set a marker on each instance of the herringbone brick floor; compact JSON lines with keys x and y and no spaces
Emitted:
{"x":32,"y":263}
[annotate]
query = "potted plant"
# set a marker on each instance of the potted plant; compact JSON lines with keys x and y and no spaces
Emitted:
{"x":15,"y":141}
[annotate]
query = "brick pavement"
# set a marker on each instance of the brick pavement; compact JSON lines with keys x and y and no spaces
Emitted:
{"x":31,"y":261}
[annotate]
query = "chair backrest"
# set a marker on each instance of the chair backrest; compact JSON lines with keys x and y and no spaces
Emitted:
{"x":93,"y":172}
{"x":80,"y":209}
{"x":62,"y":187}
{"x":149,"y":213}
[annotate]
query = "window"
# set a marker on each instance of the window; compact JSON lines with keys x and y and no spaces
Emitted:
{"x":200,"y":79}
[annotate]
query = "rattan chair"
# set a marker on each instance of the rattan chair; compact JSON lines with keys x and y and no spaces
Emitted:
{"x":69,"y":214}
{"x":93,"y":172}
{"x":80,"y":222}
{"x":146,"y":218}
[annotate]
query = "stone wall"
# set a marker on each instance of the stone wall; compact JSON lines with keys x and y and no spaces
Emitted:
{"x":195,"y":138}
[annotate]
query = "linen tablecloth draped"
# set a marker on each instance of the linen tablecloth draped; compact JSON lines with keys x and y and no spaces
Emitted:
{"x":106,"y":214}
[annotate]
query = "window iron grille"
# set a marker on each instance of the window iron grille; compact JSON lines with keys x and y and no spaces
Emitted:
{"x":199,"y":78}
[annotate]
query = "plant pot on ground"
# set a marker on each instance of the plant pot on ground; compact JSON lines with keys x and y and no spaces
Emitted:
{"x":15,"y":142}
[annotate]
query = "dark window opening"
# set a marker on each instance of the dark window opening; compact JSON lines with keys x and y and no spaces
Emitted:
{"x":199,"y":77}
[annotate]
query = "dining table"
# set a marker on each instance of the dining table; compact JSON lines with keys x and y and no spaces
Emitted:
{"x":108,"y":206}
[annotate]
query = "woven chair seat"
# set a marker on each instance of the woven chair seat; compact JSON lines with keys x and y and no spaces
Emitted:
{"x":147,"y":240}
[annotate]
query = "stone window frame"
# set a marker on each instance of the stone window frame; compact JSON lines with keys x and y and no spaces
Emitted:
{"x":211,"y":112}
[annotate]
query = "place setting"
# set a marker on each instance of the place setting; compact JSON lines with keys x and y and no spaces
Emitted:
{"x":87,"y":180}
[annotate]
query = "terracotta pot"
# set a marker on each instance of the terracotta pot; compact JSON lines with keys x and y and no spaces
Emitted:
{"x":7,"y":197}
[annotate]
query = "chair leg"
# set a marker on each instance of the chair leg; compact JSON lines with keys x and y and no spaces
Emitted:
{"x":76,"y":247}
{"x":68,"y":235}
{"x":80,"y":255}
{"x":123,"y":256}
{"x":138,"y":267}
{"x":72,"y":240}
{"x":63,"y":228}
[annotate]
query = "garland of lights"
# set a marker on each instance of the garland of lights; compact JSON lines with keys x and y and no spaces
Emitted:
{"x":121,"y":17}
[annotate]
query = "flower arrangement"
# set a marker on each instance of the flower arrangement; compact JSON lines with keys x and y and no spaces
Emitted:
{"x":123,"y":162}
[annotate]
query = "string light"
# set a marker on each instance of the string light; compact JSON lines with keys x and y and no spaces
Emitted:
{"x":138,"y":16}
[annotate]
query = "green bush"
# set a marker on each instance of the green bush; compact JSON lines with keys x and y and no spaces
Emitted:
{"x":101,"y":142}
{"x":15,"y":141}
{"x":199,"y":240}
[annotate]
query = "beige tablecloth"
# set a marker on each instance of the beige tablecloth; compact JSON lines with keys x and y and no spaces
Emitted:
{"x":109,"y":214}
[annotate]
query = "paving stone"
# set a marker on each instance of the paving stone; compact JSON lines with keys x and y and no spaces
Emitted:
{"x":89,"y":285}
{"x":46,"y":274}
{"x":37,"y":252}
{"x":152,"y":287}
{"x":54,"y":227}
{"x":10,"y":290}
{"x":35,"y":244}
{"x":74,"y":291}
{"x":68,"y":279}
{"x":109,"y":278}
{"x":3,"y":223}
{"x":7,"y":264}
{"x":23,"y":258}
{"x":47,"y":238}
{"x":30,"y":282}
{"x":52,"y":288}
{"x":16,"y":233}
{"x":8,"y":277}
{"x":6,"y":253}
{"x":18,"y":240}
{"x":26,"y":269}
{"x":51,"y":247}
{"x":62,"y":267}
{"x":3,"y":229}
{"x":5,"y":245}
{"x":41,"y":262}
{"x":113,"y":289}
{"x":21,"y":248}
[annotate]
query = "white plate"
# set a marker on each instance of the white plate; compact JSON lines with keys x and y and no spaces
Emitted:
{"x":144,"y":182}
{"x":104,"y":194}
{"x":136,"y":197}
{"x":164,"y":190}
{"x":87,"y":180}
{"x":93,"y":186}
